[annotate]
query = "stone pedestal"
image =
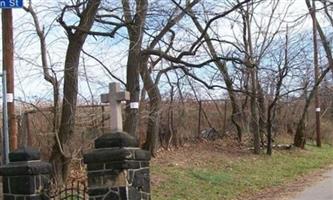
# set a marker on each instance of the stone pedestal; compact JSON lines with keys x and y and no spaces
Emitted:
{"x":26,"y":176}
{"x":118,"y":169}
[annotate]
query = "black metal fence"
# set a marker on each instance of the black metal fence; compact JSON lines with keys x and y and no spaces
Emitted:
{"x":76,"y":190}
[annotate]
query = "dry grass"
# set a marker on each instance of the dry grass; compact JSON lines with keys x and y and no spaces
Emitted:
{"x":220,"y":171}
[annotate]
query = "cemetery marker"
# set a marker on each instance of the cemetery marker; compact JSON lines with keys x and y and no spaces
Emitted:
{"x":114,"y":98}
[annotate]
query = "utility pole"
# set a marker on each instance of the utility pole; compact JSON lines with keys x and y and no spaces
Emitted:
{"x":8,"y":67}
{"x":316,"y":68}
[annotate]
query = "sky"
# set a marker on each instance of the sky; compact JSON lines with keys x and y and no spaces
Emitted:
{"x":29,"y":83}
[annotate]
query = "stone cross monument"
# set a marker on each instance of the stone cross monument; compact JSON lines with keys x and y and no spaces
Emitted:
{"x":117,"y":168}
{"x":114,"y":98}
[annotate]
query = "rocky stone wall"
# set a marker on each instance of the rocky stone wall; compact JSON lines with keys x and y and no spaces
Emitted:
{"x":118,"y":169}
{"x":26,"y":176}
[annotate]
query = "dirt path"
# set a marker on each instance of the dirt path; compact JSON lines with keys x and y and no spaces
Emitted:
{"x":304,"y":188}
{"x":322,"y":190}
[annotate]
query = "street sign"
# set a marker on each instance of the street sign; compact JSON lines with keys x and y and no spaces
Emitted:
{"x":11,"y":4}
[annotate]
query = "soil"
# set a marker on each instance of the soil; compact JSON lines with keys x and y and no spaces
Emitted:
{"x":197,"y":153}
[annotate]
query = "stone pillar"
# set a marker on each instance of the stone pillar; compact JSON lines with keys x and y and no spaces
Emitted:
{"x":26,"y":176}
{"x":118,"y":169}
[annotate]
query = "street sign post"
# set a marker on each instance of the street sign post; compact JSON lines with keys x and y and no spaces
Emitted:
{"x":5,"y":137}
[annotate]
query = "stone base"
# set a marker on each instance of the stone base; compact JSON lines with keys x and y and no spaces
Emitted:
{"x":118,"y":169}
{"x":24,"y":185}
{"x":117,"y":193}
{"x":23,"y":197}
{"x":25,"y":177}
{"x":123,"y":180}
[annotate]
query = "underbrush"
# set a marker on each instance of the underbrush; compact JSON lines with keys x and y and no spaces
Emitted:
{"x":327,"y":131}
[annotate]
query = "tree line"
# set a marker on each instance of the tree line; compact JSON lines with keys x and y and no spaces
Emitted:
{"x":256,"y":52}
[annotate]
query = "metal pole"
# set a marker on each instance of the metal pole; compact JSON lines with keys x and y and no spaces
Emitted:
{"x":5,"y":141}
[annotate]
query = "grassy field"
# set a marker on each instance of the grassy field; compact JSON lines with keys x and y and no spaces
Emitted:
{"x":222,"y":175}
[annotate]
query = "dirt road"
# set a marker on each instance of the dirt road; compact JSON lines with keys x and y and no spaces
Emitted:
{"x":322,"y":190}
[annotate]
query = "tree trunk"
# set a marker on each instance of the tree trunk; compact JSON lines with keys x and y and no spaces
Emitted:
{"x":133,"y":86}
{"x":153,"y":92}
{"x":252,"y":67}
{"x":269,"y":133}
{"x":135,"y":32}
{"x":236,"y":113}
{"x":254,"y":114}
{"x":300,"y":139}
{"x":236,"y":116}
{"x":150,"y":86}
{"x":262,"y":114}
{"x":59,"y":157}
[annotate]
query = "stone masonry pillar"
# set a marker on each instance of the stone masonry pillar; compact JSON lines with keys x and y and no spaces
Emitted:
{"x":118,"y":169}
{"x":26,"y":176}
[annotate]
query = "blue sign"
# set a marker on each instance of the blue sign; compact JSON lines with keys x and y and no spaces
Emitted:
{"x":11,"y":3}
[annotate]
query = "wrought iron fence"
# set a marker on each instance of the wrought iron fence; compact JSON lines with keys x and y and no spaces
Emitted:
{"x":76,"y":190}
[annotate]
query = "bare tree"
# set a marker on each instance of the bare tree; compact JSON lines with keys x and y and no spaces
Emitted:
{"x":134,"y":16}
{"x":221,"y":65}
{"x":48,"y":72}
{"x":150,"y":85}
{"x":300,"y":139}
{"x":76,"y":37}
{"x":282,"y":72}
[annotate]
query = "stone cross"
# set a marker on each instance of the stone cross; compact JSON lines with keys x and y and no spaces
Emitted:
{"x":114,"y":98}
